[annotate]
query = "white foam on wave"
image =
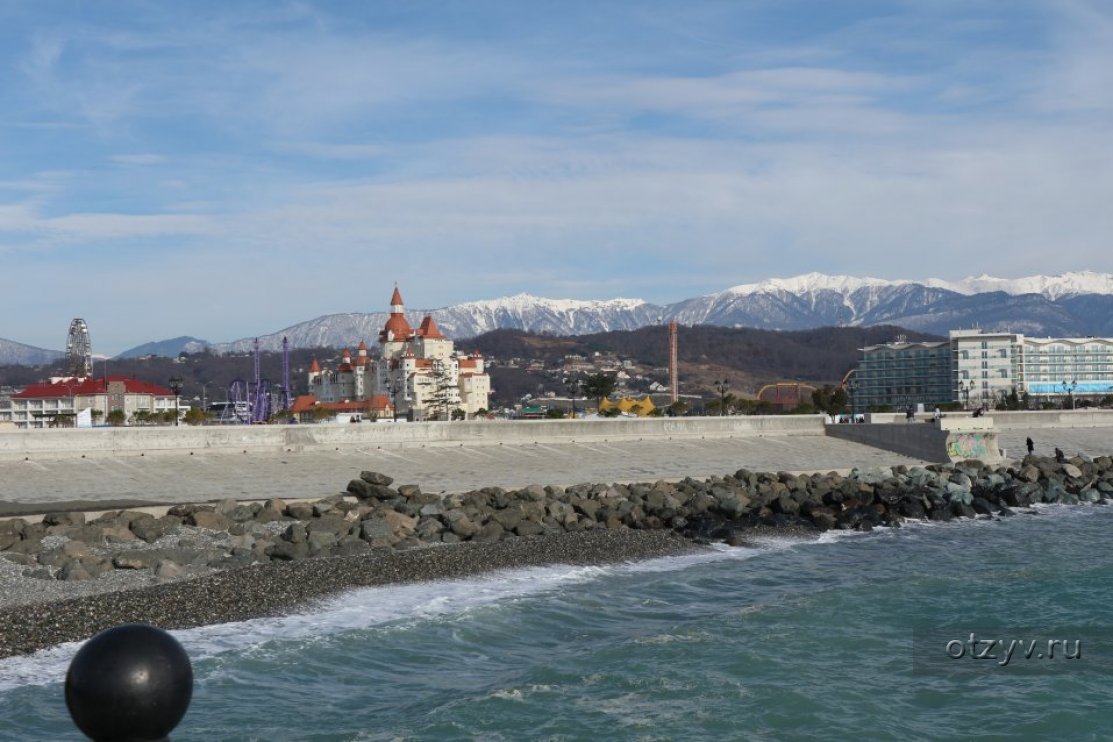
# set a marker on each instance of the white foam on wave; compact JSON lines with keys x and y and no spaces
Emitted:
{"x":45,"y":667}
{"x":717,"y":552}
{"x":365,"y":608}
{"x":383,"y":606}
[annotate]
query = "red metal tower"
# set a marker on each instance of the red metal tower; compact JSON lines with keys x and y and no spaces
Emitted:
{"x":674,"y":385}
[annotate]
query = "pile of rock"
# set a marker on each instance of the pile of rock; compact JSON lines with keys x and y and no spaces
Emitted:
{"x":371,"y":514}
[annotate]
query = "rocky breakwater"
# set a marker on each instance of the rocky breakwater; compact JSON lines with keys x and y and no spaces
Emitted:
{"x":261,"y":558}
{"x":191,"y":540}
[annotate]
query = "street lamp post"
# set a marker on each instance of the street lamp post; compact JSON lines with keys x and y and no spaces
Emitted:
{"x":965,"y":389}
{"x":395,"y":388}
{"x":176,"y":387}
{"x":722,"y":387}
{"x":1068,"y":389}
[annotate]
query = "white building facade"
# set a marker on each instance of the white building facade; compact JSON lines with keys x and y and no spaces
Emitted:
{"x":985,"y":368}
{"x":418,"y":370}
{"x":59,"y":401}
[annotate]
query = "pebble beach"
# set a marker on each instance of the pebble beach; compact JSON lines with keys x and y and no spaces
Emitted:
{"x":72,"y":573}
{"x":39,"y":614}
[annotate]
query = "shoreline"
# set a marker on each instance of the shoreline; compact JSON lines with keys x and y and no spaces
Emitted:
{"x":276,"y":589}
{"x":67,"y":577}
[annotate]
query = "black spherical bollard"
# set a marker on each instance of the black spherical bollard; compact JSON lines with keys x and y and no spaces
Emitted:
{"x":131,"y":682}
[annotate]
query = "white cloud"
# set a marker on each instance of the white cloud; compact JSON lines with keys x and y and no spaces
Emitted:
{"x":138,"y":159}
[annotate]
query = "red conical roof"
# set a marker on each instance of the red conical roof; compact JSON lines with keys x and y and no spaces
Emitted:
{"x":314,"y":367}
{"x":429,"y":328}
{"x":396,"y":299}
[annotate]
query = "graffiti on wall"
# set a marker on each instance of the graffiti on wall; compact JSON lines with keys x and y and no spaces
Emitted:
{"x":967,"y":446}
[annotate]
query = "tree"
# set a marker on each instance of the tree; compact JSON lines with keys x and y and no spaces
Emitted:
{"x":195,"y":416}
{"x":831,"y":400}
{"x":678,"y":408}
{"x":116,"y":418}
{"x":442,"y":397}
{"x":599,"y":387}
{"x":554,"y":413}
{"x":459,"y":414}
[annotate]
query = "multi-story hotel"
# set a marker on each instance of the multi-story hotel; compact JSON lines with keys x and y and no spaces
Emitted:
{"x":902,"y":373}
{"x":978,"y":369}
{"x":62,"y":401}
{"x":418,"y":373}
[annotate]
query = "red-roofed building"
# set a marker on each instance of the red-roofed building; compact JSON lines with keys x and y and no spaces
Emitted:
{"x":309,"y":409}
{"x":419,"y":371}
{"x":61,"y":401}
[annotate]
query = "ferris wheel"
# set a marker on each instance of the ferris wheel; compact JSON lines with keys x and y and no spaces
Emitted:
{"x":79,"y":351}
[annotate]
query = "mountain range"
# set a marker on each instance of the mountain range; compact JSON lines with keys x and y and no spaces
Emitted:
{"x":1070,"y":304}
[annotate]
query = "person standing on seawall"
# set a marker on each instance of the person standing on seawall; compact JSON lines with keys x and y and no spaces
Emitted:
{"x":1031,"y":446}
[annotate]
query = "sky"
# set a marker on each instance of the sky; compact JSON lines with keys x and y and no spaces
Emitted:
{"x":228,"y":169}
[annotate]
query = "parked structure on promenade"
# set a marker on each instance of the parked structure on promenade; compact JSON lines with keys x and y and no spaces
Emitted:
{"x":416,"y":373}
{"x":980,"y":369}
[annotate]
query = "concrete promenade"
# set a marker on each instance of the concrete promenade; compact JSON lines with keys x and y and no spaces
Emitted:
{"x":167,"y":465}
{"x":60,"y":443}
{"x":324,"y":457}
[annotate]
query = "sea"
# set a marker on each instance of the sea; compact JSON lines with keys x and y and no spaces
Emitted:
{"x":895,"y":634}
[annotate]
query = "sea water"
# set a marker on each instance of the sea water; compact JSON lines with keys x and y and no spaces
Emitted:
{"x":791,"y":639}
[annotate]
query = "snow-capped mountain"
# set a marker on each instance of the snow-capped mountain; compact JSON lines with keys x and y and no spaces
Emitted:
{"x":522,"y":311}
{"x":1051,"y":287}
{"x":1071,"y":304}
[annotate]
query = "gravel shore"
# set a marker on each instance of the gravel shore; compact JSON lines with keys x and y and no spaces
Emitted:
{"x":274,"y":589}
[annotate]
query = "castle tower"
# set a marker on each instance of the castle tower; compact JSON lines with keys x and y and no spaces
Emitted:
{"x":397,"y":330}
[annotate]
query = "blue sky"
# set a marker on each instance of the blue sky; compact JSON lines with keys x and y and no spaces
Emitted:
{"x":225,"y":169}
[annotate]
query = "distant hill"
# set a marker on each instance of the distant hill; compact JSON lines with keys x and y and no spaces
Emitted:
{"x":166,"y":348}
{"x":745,"y":356}
{"x":12,"y":352}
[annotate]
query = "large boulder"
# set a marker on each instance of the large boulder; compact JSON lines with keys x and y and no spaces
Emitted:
{"x":374,"y":477}
{"x":64,"y":519}
{"x":209,"y":519}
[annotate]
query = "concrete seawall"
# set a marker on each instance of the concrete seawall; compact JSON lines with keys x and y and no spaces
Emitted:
{"x":946,"y":440}
{"x":1036,"y":419}
{"x":68,"y":443}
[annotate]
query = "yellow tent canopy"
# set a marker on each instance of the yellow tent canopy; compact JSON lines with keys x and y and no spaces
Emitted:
{"x":629,"y":405}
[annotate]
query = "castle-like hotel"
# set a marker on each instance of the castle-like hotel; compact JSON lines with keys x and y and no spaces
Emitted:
{"x":417,"y":374}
